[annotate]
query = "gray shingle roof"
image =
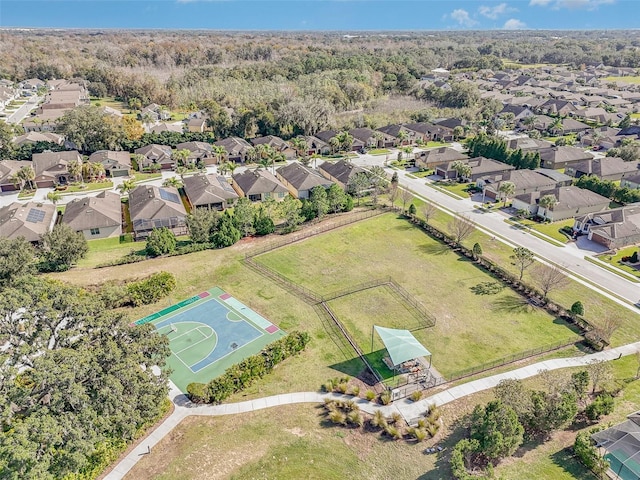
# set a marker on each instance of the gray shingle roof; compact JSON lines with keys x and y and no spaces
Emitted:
{"x":256,"y":182}
{"x":208,"y":189}
{"x":103,"y":210}
{"x":29,"y":220}
{"x":301,"y":177}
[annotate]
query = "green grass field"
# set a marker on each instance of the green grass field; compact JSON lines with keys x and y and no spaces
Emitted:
{"x":379,"y":151}
{"x":629,"y":79}
{"x":550,"y":229}
{"x":480,"y":325}
{"x":459,"y":189}
{"x":143,"y":177}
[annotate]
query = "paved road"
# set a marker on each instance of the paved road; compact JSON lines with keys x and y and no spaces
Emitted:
{"x":408,"y":409}
{"x":23,"y":111}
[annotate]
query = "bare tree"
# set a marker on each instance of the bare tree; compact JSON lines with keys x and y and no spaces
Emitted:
{"x":600,"y":373}
{"x":393,"y":193}
{"x":522,"y":258}
{"x":607,"y":327}
{"x":406,"y":196}
{"x":460,"y":229}
{"x":548,"y":278}
{"x":429,"y":210}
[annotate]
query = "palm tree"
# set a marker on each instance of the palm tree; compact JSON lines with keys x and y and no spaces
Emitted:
{"x":507,"y":189}
{"x":346,"y":140}
{"x":138,"y":159}
{"x":174,"y":182}
{"x":556,"y":126}
{"x":402,"y":136}
{"x":223,"y":168}
{"x":547,"y":202}
{"x":231,"y":166}
{"x":299,"y":144}
{"x":54,"y":197}
{"x":181,"y":171}
{"x":75,"y":170}
{"x":219,"y":151}
{"x":28,"y":174}
{"x":335,"y":143}
{"x":181,"y":157}
{"x":126,"y":186}
{"x":97,"y":170}
{"x":462,"y":169}
{"x":529,"y":122}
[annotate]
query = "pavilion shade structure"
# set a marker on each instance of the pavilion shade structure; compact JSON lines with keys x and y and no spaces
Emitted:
{"x":401,"y":345}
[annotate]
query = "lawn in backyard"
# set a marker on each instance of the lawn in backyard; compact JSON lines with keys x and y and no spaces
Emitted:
{"x":476,"y":318}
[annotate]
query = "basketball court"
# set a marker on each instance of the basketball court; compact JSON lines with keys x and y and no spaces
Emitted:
{"x":208,"y":333}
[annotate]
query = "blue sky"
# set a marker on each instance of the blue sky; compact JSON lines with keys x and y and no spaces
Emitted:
{"x":347,"y":15}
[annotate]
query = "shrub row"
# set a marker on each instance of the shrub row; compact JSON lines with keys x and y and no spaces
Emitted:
{"x":239,"y":376}
{"x":151,"y":289}
{"x":132,"y":257}
{"x":142,"y":292}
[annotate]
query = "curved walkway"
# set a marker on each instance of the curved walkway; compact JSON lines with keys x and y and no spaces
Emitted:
{"x":408,"y":409}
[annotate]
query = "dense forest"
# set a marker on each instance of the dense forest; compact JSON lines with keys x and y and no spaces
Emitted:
{"x":306,"y":81}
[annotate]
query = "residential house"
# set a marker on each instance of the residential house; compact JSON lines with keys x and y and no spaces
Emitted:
{"x":316,"y":146}
{"x":279,"y":145}
{"x":569,"y":125}
{"x":571,"y":202}
{"x":154,"y":112}
{"x":560,"y":157}
{"x":519,"y":112}
{"x":430,"y":159}
{"x":35,"y":137}
{"x":527,"y":144}
{"x":166,"y":127}
{"x":155,"y":155}
{"x":340,"y":172}
{"x":209,"y":191}
{"x":631,"y":181}
{"x":197,"y":123}
{"x":557,"y":107}
{"x":33,"y":84}
{"x":30,"y":220}
{"x":201,"y":152}
{"x":428,"y":132}
{"x":237,"y":148}
{"x":300,"y":180}
{"x":259,"y":185}
{"x":525,"y":181}
{"x":605,"y":137}
{"x":367,"y":138}
{"x":391,"y":135}
{"x":480,"y":167}
{"x":8,"y":170}
{"x":52,"y":167}
{"x":606,"y":168}
{"x":95,"y":217}
{"x":614,"y":228}
{"x":156,"y":207}
{"x":116,"y":164}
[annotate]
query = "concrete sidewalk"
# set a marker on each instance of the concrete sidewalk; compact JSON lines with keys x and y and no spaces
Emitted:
{"x":408,"y":409}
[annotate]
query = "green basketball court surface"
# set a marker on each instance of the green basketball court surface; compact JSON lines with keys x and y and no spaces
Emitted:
{"x":208,"y":333}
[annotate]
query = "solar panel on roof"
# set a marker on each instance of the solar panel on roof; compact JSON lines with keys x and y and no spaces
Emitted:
{"x":35,"y":215}
{"x":169,"y":196}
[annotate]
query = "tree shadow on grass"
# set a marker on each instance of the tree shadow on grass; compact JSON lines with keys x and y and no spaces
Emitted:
{"x":434,"y":248}
{"x":487,"y":288}
{"x":564,"y":458}
{"x":442,"y":468}
{"x":511,"y":303}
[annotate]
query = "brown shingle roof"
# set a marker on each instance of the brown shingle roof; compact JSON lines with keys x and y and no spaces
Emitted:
{"x":301,"y":177}
{"x":29,"y":220}
{"x":208,"y":189}
{"x":256,"y":182}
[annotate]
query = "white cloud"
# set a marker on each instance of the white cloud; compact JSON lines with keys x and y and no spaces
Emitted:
{"x":571,"y":4}
{"x":514,"y":24}
{"x":496,"y":11}
{"x":462,"y":17}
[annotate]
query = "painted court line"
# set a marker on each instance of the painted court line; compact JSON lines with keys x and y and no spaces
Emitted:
{"x":197,"y":329}
{"x":227,"y":354}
